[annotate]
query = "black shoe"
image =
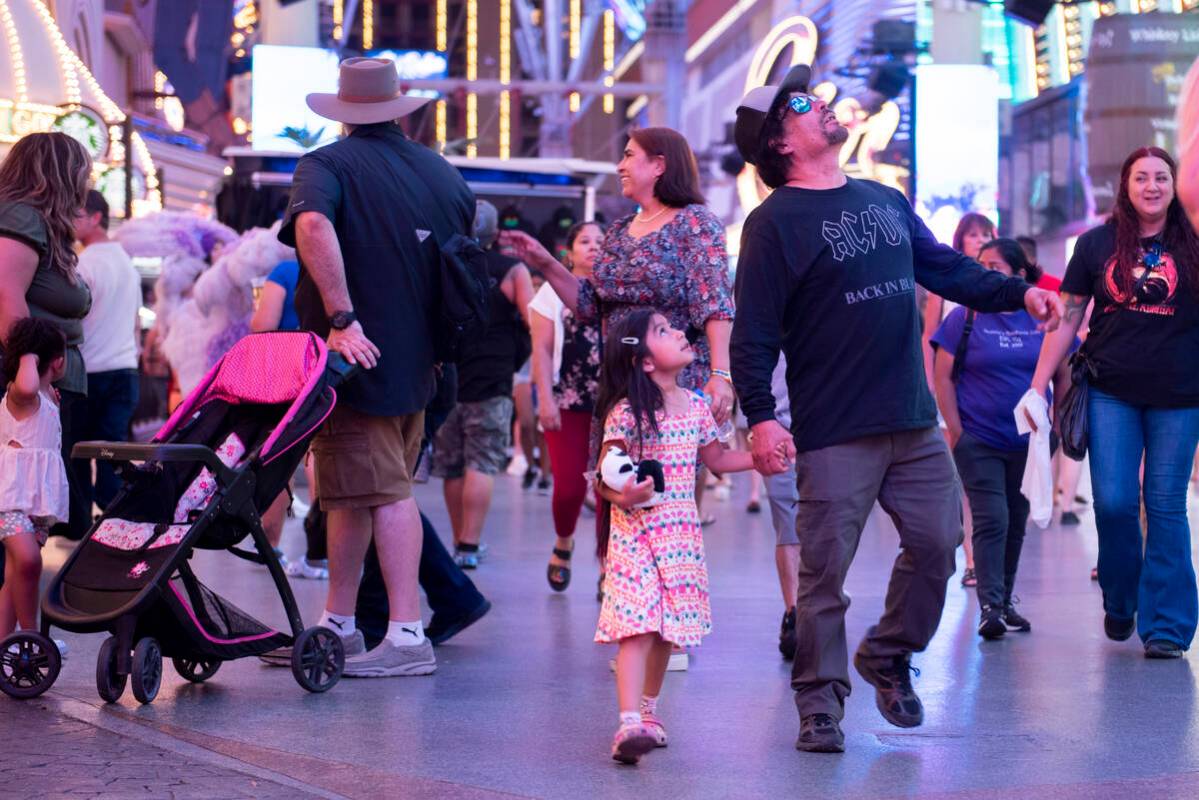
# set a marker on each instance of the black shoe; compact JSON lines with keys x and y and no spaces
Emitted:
{"x":820,"y":733}
{"x":990,"y":625}
{"x":1161,"y":648}
{"x":1014,"y":621}
{"x":897,"y":701}
{"x":788,"y":639}
{"x":1070,"y":518}
{"x":530,"y":477}
{"x":442,"y":630}
{"x":1117,"y":629}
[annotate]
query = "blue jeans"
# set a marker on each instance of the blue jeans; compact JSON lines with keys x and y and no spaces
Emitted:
{"x":111,"y":398}
{"x":1153,"y":578}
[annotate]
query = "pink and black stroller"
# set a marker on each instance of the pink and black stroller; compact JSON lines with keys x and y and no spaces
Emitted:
{"x":216,"y":465}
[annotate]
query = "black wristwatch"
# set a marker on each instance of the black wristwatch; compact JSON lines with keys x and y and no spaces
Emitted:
{"x":340,"y":320}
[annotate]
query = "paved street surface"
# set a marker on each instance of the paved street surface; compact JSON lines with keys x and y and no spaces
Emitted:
{"x":523,"y":704}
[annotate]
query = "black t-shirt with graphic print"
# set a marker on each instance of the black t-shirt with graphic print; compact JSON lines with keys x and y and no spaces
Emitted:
{"x":1145,"y":350}
{"x":830,"y":277}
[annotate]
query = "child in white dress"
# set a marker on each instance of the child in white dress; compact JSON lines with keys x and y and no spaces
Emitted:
{"x":33,"y":479}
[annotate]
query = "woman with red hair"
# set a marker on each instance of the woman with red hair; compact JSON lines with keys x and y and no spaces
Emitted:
{"x":1142,"y":269}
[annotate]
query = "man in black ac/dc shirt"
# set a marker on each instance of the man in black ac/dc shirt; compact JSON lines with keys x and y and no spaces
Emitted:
{"x":828,"y":273}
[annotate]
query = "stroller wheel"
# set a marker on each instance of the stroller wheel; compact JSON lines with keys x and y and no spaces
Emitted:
{"x":29,"y":664}
{"x":109,"y":682}
{"x":317,"y":659}
{"x":147,"y":670}
{"x":194,"y":669}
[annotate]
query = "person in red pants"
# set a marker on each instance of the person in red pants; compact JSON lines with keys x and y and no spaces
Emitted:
{"x":566,"y":365}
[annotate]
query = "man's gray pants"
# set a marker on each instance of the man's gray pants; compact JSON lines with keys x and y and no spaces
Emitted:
{"x":912,"y":476}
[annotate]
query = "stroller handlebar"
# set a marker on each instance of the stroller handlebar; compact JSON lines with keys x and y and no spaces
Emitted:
{"x":123,"y":451}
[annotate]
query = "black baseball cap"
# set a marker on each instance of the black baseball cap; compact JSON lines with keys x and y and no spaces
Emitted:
{"x":753,"y":108}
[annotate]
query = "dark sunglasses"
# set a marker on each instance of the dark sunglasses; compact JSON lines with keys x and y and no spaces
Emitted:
{"x":800,"y":104}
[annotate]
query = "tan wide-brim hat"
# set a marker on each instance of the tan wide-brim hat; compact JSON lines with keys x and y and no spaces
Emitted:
{"x":368,"y":91}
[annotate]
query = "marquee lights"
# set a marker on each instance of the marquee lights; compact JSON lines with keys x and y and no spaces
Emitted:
{"x":19,"y":117}
{"x":609,"y":57}
{"x":14,"y":49}
{"x":472,"y":74}
{"x":505,"y":77}
{"x":339,"y":11}
{"x":442,"y":26}
{"x":576,"y":16}
{"x":368,"y":24}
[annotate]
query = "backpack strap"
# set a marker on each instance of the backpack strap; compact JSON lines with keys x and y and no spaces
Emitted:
{"x":959,"y":354}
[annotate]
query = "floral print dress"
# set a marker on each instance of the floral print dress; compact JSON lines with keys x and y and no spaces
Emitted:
{"x":656,"y":578}
{"x":680,"y":270}
{"x":578,"y":379}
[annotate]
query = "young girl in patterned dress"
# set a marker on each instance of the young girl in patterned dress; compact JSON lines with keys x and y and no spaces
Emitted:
{"x":656,"y":585}
{"x":33,"y":479}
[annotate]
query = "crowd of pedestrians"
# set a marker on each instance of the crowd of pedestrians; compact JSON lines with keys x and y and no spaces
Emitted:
{"x":871,"y":365}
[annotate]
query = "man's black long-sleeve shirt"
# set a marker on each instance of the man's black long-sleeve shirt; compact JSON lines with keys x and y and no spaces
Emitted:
{"x":830,"y":277}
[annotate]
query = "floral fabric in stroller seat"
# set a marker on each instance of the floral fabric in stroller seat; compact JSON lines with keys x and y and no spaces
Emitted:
{"x":126,"y":535}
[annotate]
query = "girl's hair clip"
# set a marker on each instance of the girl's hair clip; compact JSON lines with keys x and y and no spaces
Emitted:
{"x":633,"y":340}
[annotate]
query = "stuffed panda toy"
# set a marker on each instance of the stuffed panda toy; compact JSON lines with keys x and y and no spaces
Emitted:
{"x":616,"y":466}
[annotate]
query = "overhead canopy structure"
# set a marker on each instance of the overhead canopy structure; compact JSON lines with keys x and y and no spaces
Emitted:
{"x":44,"y":86}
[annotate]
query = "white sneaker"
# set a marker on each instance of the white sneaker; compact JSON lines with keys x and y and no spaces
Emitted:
{"x":389,"y":660}
{"x":312,"y":570}
{"x":519,"y":465}
{"x":63,"y":648}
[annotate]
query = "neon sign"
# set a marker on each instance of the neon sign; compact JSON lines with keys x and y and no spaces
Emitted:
{"x":869,"y":133}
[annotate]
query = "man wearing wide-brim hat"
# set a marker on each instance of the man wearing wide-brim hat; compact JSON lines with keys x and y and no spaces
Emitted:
{"x":366,"y":215}
{"x":827,"y":273}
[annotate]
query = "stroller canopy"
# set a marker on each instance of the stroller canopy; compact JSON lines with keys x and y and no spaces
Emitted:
{"x":284,"y":367}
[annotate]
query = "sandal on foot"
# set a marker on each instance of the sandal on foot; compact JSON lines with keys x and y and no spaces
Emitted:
{"x":655,"y":728}
{"x":631,"y":743}
{"x":558,"y":575}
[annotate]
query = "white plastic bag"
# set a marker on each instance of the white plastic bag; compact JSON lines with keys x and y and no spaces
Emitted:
{"x":1038,"y":471}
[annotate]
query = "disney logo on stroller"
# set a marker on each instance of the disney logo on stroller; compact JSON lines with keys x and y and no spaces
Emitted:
{"x":203,"y":482}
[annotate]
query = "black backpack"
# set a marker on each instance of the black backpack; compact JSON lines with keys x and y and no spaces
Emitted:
{"x":463,"y":282}
{"x":464,"y":285}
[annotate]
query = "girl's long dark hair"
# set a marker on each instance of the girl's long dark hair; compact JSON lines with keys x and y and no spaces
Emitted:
{"x":1178,"y":237}
{"x":623,"y":378}
{"x":1011,"y":252}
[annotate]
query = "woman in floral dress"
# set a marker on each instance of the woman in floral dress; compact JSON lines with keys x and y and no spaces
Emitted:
{"x":566,"y":366}
{"x":670,"y":256}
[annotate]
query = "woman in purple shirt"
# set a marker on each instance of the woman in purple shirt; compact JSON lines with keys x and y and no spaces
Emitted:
{"x":983,"y":366}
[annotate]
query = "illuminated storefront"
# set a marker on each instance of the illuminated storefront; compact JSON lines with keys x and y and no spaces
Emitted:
{"x":734,"y":47}
{"x":44,"y":86}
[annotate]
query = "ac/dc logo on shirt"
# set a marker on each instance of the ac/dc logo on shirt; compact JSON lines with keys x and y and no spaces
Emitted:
{"x":1156,"y":296}
{"x":859,"y":234}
